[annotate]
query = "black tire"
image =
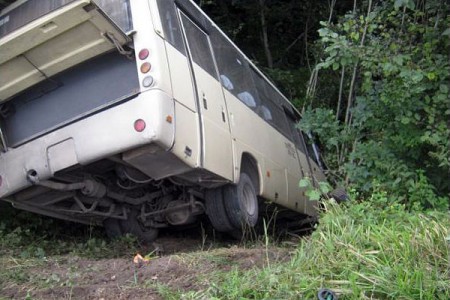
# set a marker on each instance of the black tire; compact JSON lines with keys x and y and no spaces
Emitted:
{"x":112,"y":228}
{"x":215,"y":210}
{"x":134,"y":227}
{"x":340,"y":195}
{"x":241,"y":203}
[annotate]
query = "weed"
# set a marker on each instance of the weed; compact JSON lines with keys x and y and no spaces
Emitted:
{"x":373,"y":249}
{"x":359,"y":252}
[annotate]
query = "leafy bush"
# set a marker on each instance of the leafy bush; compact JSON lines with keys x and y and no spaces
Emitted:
{"x":393,"y":133}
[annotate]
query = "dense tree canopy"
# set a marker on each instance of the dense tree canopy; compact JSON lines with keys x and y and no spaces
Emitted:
{"x":372,"y":78}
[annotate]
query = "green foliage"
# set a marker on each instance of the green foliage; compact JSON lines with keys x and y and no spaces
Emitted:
{"x":288,"y":82}
{"x":396,"y":136}
{"x":315,"y":193}
{"x":375,"y":250}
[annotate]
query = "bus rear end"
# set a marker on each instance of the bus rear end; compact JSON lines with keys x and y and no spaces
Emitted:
{"x":84,"y":132}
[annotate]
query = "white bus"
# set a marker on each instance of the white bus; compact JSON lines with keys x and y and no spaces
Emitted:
{"x":139,"y":115}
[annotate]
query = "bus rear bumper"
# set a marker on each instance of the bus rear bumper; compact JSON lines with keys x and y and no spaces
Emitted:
{"x":102,"y":135}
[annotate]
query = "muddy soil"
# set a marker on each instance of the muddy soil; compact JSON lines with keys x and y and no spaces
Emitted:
{"x":183,"y":264}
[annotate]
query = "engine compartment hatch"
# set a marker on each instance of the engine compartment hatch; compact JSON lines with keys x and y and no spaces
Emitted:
{"x":55,"y":42}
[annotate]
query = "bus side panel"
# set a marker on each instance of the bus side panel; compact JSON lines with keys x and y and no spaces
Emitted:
{"x":249,"y":129}
{"x":239,"y":148}
{"x":218,"y":157}
{"x":296,"y":201}
{"x":180,"y":74}
{"x":275,"y":182}
{"x":293,"y":175}
{"x":187,"y":134}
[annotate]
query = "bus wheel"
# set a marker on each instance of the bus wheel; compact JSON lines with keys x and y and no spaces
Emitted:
{"x":134,"y":227}
{"x":112,"y":228}
{"x":241,"y":203}
{"x":340,"y":195}
{"x":215,"y":210}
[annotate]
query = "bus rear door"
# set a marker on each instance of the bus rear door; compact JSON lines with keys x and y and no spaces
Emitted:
{"x":217,"y":151}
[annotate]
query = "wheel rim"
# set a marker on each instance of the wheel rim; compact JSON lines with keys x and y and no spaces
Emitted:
{"x":249,"y":199}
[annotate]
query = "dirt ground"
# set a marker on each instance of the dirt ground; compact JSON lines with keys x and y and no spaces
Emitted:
{"x":184,"y":264}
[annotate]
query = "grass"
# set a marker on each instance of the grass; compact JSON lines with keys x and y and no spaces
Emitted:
{"x":367,"y":250}
{"x":360,"y":252}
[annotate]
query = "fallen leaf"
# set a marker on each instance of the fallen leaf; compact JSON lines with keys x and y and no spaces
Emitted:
{"x":139,"y":260}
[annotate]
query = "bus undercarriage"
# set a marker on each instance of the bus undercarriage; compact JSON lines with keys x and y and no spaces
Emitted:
{"x":111,"y":193}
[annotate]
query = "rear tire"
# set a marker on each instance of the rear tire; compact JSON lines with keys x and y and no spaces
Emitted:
{"x":112,"y":228}
{"x":134,"y":227}
{"x":241,"y":203}
{"x":216,"y":212}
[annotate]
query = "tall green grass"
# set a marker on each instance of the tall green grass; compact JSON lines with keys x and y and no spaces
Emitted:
{"x":361,"y":252}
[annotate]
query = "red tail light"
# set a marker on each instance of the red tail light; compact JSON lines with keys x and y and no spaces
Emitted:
{"x":139,"y":125}
{"x":143,"y":54}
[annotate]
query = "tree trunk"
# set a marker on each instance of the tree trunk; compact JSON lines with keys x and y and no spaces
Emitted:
{"x":262,"y":11}
{"x":341,"y":87}
{"x":332,"y":4}
{"x":355,"y":69}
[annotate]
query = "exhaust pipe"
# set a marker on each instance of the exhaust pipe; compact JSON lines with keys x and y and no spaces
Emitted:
{"x":88,"y":187}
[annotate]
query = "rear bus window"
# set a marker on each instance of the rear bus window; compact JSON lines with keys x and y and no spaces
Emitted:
{"x":117,"y":10}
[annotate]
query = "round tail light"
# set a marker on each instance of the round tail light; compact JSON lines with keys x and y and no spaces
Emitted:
{"x":147,"y":81}
{"x":143,"y":54}
{"x":139,"y":125}
{"x":145,"y":67}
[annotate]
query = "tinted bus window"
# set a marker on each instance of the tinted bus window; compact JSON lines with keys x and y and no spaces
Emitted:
{"x":270,"y":108}
{"x":199,"y":46}
{"x":313,"y":150}
{"x":290,"y":117}
{"x":235,"y":74}
{"x":171,"y":27}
